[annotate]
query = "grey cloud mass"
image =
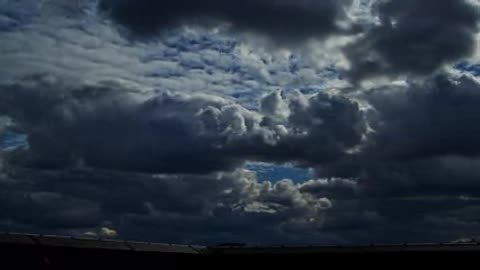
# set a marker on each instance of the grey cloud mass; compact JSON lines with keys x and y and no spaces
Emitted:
{"x":378,"y":183}
{"x":439,"y":117}
{"x":178,"y":208}
{"x":411,"y":37}
{"x":105,"y":126}
{"x":424,"y":139}
{"x":418,"y":173}
{"x":415,"y":38}
{"x":147,"y":134}
{"x":283,"y":20}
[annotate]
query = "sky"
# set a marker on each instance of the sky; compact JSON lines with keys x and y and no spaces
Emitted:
{"x":262,"y":122}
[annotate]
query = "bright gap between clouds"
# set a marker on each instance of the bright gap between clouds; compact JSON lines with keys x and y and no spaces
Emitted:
{"x":270,"y":172}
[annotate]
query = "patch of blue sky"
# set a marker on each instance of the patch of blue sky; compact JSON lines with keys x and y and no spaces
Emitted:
{"x":310,"y":90}
{"x":199,"y":40}
{"x":277,"y":172}
{"x":196,"y":50}
{"x":223,"y":49}
{"x":183,"y":59}
{"x":10,"y":141}
{"x":473,"y":69}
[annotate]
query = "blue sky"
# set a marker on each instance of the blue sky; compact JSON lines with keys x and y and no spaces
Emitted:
{"x":275,"y":173}
{"x":12,"y":141}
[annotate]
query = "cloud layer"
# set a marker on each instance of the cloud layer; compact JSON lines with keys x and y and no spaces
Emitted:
{"x":415,"y":38}
{"x":90,"y":136}
{"x":283,"y":20}
{"x":104,"y":127}
{"x":178,"y":208}
{"x":140,"y":125}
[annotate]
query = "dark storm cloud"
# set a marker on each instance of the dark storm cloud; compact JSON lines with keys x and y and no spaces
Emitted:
{"x":195,"y":141}
{"x":417,"y":176}
{"x":425,"y":140}
{"x":402,"y":166}
{"x":403,"y":220}
{"x":412,"y":37}
{"x":435,"y":117}
{"x":284,"y":20}
{"x":165,"y":167}
{"x":415,"y":38}
{"x":109,"y":127}
{"x":169,"y":208}
{"x":439,"y":176}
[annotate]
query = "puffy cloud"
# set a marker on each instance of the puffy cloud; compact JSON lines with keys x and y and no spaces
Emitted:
{"x":89,"y":50}
{"x":114,"y":128}
{"x":417,"y":175}
{"x":275,"y":106}
{"x":415,"y":38}
{"x":423,"y":140}
{"x":283,"y":20}
{"x":334,"y":188}
{"x":178,"y":208}
{"x":106,"y":150}
{"x":105,"y":127}
{"x":148,"y":162}
{"x":319,"y":128}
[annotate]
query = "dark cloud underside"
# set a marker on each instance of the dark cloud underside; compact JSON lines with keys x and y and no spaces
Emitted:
{"x":396,"y":163}
{"x":281,"y":19}
{"x":415,"y":38}
{"x":106,"y":127}
{"x":423,"y":158}
{"x":425,"y":140}
{"x":412,"y":37}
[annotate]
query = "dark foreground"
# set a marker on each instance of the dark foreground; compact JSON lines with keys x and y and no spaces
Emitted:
{"x":65,"y":252}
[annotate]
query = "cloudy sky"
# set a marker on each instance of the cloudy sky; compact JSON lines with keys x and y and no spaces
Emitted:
{"x":255,"y":121}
